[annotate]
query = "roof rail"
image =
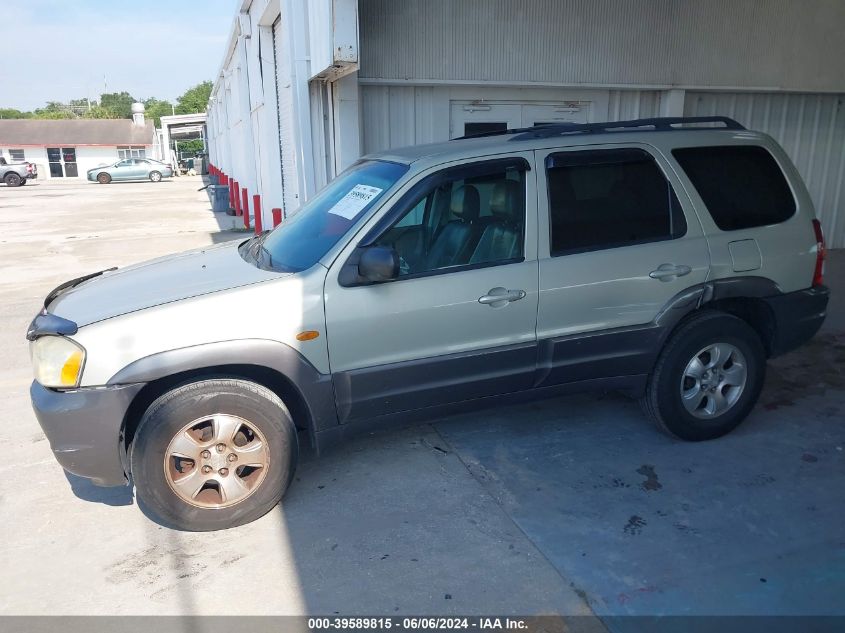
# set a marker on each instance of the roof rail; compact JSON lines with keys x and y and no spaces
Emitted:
{"x":658,"y":124}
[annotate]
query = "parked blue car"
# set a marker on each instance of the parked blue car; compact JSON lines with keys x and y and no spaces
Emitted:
{"x":131,"y":169}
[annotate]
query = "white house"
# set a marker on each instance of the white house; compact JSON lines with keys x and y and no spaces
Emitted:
{"x":307,"y":86}
{"x":67,"y":148}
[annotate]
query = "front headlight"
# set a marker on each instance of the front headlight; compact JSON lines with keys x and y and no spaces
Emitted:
{"x":57,"y":361}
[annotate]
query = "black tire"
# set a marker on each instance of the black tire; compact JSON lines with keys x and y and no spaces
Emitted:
{"x":23,"y":182}
{"x":12,"y":179}
{"x":155,"y":176}
{"x":662,"y":401}
{"x":165,"y":418}
{"x":103,"y":178}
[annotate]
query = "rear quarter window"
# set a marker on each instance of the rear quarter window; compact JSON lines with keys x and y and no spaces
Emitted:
{"x":741,"y":185}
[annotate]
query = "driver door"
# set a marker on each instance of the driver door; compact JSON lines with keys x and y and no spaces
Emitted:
{"x":123,"y":170}
{"x":459,"y":320}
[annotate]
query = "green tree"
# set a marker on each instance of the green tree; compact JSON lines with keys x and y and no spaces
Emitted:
{"x":195,"y":99}
{"x":54,"y":110}
{"x":157,"y":108}
{"x":12,"y":113}
{"x":120,"y":103}
{"x":99,"y":112}
{"x":193,"y":145}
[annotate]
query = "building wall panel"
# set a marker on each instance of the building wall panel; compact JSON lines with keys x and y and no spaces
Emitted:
{"x":660,"y":43}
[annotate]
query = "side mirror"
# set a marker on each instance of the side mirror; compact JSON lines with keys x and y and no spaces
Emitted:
{"x":378,"y":263}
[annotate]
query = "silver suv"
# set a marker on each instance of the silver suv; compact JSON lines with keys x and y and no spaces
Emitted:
{"x":667,"y":258}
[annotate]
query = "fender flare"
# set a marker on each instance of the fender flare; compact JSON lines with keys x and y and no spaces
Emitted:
{"x":314,"y":387}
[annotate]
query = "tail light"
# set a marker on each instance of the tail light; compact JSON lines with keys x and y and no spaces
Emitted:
{"x":29,"y":168}
{"x":821,"y":253}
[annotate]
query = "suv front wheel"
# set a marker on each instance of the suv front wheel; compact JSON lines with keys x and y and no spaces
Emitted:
{"x":707,"y":379}
{"x":213,"y":454}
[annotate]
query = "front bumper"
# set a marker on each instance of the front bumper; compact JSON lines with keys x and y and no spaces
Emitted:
{"x":83,"y":427}
{"x":798,"y":316}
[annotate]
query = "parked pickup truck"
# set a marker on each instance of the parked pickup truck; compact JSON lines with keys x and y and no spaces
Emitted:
{"x":16,"y":174}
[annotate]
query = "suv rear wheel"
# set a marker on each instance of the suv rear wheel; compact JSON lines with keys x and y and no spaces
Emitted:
{"x":707,"y":379}
{"x":214,"y":454}
{"x":12,"y":179}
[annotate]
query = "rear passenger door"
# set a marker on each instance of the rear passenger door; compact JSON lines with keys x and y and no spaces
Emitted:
{"x":459,"y":321}
{"x":618,"y":240}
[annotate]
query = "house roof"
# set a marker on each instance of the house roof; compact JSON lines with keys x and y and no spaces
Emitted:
{"x":57,"y":132}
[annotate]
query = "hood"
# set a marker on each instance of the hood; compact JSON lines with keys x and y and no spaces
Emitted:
{"x":158,"y":281}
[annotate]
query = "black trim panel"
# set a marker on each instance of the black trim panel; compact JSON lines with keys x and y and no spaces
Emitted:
{"x":405,"y":386}
{"x":633,"y":385}
{"x":798,"y":316}
{"x":618,"y":352}
{"x":315,"y":388}
{"x":72,"y":283}
{"x":45,"y":324}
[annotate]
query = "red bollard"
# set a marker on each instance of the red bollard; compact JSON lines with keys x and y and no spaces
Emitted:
{"x":238,"y":208}
{"x":245,"y":206}
{"x":256,"y":209}
{"x":277,"y":217}
{"x":232,"y":198}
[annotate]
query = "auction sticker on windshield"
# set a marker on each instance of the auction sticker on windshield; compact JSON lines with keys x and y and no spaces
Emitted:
{"x":351,"y":204}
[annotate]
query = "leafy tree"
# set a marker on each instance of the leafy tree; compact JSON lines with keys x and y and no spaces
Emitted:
{"x":120,"y":103}
{"x":12,"y":113}
{"x":157,"y":108}
{"x":99,"y":112}
{"x":54,"y":110}
{"x":195,"y":99}
{"x":193,"y":145}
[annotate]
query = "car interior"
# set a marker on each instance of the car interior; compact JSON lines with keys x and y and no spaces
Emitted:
{"x":460,"y":223}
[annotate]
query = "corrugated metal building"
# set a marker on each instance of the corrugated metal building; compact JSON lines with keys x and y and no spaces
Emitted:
{"x":306,"y":87}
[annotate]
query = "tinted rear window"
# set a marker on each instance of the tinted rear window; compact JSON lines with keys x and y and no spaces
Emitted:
{"x":741,"y":185}
{"x":602,"y":199}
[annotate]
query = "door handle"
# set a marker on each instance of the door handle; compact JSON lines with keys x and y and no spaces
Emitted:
{"x":497,"y":297}
{"x":667,"y":272}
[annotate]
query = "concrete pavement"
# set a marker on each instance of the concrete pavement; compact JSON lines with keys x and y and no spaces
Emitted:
{"x":573,"y":505}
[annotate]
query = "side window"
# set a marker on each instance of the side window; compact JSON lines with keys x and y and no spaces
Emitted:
{"x":473,"y":215}
{"x":741,"y":185}
{"x":17,"y":155}
{"x":609,"y":198}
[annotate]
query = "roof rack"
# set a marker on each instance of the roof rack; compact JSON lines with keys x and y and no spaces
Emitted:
{"x":658,"y":124}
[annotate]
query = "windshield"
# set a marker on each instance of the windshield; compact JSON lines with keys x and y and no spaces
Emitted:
{"x":302,"y":239}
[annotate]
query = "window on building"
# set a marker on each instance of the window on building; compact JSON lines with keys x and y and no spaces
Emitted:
{"x":16,"y":155}
{"x":131,"y":151}
{"x":475,"y":128}
{"x":54,"y":156}
{"x":741,"y":185}
{"x":69,"y":157}
{"x":609,"y":198}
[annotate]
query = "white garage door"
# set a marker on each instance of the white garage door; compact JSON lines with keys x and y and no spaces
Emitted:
{"x":287,"y":141}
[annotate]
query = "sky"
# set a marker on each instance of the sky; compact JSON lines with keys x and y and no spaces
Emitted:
{"x":149,"y":48}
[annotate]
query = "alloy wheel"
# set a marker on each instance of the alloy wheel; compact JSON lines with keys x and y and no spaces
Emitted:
{"x":216,"y":461}
{"x":713,"y":380}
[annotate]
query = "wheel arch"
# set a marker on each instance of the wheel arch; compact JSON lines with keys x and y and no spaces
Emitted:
{"x":742,"y":297}
{"x":307,"y":393}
